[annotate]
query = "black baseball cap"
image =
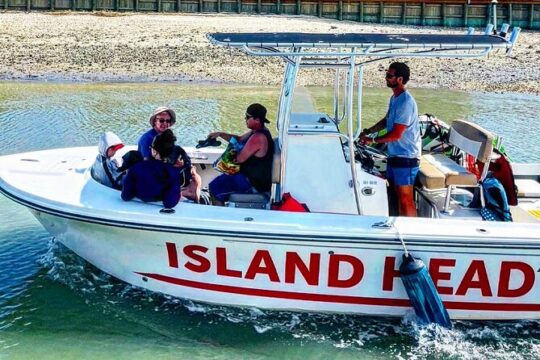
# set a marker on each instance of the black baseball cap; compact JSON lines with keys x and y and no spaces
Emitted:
{"x":257,"y":111}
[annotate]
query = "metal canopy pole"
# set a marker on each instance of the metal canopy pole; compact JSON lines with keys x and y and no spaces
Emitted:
{"x":349,"y":112}
{"x":336,"y":97}
{"x":285,"y":114}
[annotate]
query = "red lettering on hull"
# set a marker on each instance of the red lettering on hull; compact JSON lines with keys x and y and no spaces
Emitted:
{"x":390,"y":273}
{"x":256,"y":267}
{"x":310,"y":272}
{"x":201,"y":263}
{"x":436,"y":274}
{"x":504,"y":279}
{"x":221,"y":264}
{"x":476,"y":277}
{"x":515,"y":278}
{"x":334,"y":268}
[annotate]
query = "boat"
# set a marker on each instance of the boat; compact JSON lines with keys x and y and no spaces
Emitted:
{"x":341,"y":257}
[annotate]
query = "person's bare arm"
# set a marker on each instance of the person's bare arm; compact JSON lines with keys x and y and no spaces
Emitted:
{"x":381,"y":124}
{"x":227,"y":137}
{"x":364,"y":136}
{"x":256,"y":144}
{"x":395,"y":134}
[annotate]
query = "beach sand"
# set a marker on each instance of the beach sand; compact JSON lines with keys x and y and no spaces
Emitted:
{"x":65,"y":46}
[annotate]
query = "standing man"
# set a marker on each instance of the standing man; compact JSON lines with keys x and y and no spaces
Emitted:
{"x":403,"y":138}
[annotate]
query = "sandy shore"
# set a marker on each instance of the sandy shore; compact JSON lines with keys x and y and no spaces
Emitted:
{"x":152,"y":47}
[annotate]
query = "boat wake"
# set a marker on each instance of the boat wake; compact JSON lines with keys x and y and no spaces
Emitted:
{"x":394,"y":338}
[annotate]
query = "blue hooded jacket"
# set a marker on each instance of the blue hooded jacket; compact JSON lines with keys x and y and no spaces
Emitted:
{"x":152,"y":180}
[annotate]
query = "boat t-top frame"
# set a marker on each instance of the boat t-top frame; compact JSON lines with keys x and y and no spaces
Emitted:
{"x":348,"y":53}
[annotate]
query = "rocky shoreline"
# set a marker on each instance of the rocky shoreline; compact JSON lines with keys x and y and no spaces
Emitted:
{"x":134,"y":47}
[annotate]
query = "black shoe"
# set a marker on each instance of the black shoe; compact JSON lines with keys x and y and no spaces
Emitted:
{"x":208,"y":142}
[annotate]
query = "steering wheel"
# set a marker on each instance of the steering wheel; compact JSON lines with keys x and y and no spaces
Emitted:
{"x":368,"y":156}
{"x":376,"y":153}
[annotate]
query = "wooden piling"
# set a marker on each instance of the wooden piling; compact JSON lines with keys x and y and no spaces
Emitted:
{"x":531,"y":16}
{"x":381,"y":12}
{"x":466,"y":14}
{"x":423,"y":13}
{"x":443,"y":14}
{"x":361,"y":10}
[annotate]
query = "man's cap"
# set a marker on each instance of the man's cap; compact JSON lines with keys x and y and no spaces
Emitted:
{"x":160,"y":110}
{"x":257,"y":111}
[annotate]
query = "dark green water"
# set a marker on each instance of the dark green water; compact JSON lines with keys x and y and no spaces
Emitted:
{"x":55,"y":305}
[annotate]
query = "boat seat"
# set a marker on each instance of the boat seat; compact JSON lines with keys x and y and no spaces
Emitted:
{"x":438,"y":171}
{"x":434,"y":168}
{"x":528,"y":188}
{"x":250,"y":201}
{"x":429,"y":176}
{"x":276,"y":163}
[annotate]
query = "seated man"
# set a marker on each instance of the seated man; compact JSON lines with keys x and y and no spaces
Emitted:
{"x":255,"y":158}
{"x":155,"y":179}
{"x":105,"y":169}
{"x":160,"y":121}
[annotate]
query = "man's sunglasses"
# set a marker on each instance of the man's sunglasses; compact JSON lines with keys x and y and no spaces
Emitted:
{"x":248,"y":116}
{"x":161,"y":121}
{"x":389,"y":76}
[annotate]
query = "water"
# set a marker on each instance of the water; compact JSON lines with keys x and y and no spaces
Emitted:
{"x":53,"y":304}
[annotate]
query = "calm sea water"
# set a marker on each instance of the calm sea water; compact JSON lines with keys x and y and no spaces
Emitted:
{"x":55,"y":305}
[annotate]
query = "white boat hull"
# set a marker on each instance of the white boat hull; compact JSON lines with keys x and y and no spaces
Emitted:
{"x":305,"y":275}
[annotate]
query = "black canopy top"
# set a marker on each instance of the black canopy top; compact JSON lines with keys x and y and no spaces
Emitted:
{"x":311,"y":40}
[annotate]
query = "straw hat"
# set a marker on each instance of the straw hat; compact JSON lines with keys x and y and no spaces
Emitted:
{"x":160,"y":110}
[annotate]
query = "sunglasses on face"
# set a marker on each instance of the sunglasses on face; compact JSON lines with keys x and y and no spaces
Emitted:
{"x":249,"y":116}
{"x":390,"y":76}
{"x":161,"y":121}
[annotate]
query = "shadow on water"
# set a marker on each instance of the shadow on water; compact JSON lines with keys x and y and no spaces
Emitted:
{"x":52,"y":302}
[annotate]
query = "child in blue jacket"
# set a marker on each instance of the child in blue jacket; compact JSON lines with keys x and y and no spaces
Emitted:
{"x":154,"y":179}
